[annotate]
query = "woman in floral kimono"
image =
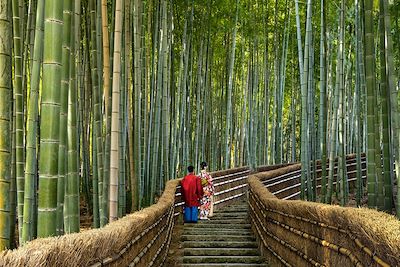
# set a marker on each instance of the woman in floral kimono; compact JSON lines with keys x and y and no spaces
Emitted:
{"x":206,"y":208}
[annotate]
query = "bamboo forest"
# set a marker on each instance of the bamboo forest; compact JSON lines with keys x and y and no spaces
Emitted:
{"x":103,"y":102}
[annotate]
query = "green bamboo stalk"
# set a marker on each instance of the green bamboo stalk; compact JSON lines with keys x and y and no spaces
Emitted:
{"x":96,"y":99}
{"x":293,"y":114}
{"x":85,"y":118}
{"x":19,"y":110}
{"x":28,"y":44}
{"x":62,"y":153}
{"x":175,"y":164}
{"x":165,"y":95}
{"x":387,"y":198}
{"x":128,"y":66}
{"x":104,"y":210}
{"x":370,"y":85}
{"x":145,"y":62}
{"x":157,"y":87}
{"x":99,"y":43}
{"x":378,"y":148}
{"x":277,"y":80}
{"x":72,"y":212}
{"x":123,"y":115}
{"x":322,"y":106}
{"x":31,"y":142}
{"x":303,"y":102}
{"x":304,"y":117}
{"x":50,"y":118}
{"x":391,"y":83}
{"x":358,"y":119}
{"x":334,"y":134}
{"x":5,"y":119}
{"x":13,"y":182}
{"x":311,"y":121}
{"x":280,"y":102}
{"x":137,"y":144}
{"x":181,"y":95}
{"x":122,"y":129}
{"x":198,"y":106}
{"x":229,"y":93}
{"x":250,"y":140}
{"x":341,"y":135}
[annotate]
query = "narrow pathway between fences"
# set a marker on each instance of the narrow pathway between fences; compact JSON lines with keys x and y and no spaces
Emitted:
{"x":224,"y":240}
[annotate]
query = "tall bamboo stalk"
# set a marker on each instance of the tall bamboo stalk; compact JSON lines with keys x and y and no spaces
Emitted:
{"x":31,"y":141}
{"x":165,"y":95}
{"x":303,"y":101}
{"x":322,"y":106}
{"x":114,"y":155}
{"x":370,"y":84}
{"x":386,"y":199}
{"x":106,"y":53}
{"x":19,"y":109}
{"x":72,"y":213}
{"x":334,"y":132}
{"x":394,"y":106}
{"x":137,"y":86}
{"x":96,"y":95}
{"x":5,"y":119}
{"x":229,"y":93}
{"x":50,"y":114}
{"x":62,"y":152}
{"x":358,"y":69}
{"x":341,"y":153}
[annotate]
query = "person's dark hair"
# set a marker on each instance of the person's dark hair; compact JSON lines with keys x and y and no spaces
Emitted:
{"x":190,"y":168}
{"x":203,"y":165}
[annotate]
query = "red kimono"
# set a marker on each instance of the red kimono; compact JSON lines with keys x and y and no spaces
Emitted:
{"x":192,"y":190}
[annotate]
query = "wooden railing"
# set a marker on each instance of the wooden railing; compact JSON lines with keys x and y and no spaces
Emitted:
{"x":287,"y":185}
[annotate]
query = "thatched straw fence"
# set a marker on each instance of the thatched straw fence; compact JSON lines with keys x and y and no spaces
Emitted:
{"x":299,"y":233}
{"x":138,"y":239}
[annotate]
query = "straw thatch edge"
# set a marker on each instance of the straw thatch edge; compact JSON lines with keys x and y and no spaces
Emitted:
{"x":378,"y":231}
{"x":92,"y":246}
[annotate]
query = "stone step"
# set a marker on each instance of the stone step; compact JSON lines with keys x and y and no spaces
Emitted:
{"x":217,"y":238}
{"x":234,"y":208}
{"x":216,"y":231}
{"x":220,"y":244}
{"x":224,"y":265}
{"x":220,"y":252}
{"x":230,"y":214}
{"x":224,"y":221}
{"x":226,"y":240}
{"x":223,"y":259}
{"x":211,"y":224}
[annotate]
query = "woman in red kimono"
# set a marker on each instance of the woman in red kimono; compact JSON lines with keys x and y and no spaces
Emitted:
{"x":206,"y":208}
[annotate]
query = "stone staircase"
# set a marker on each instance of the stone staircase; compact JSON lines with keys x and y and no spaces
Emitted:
{"x":224,"y":240}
